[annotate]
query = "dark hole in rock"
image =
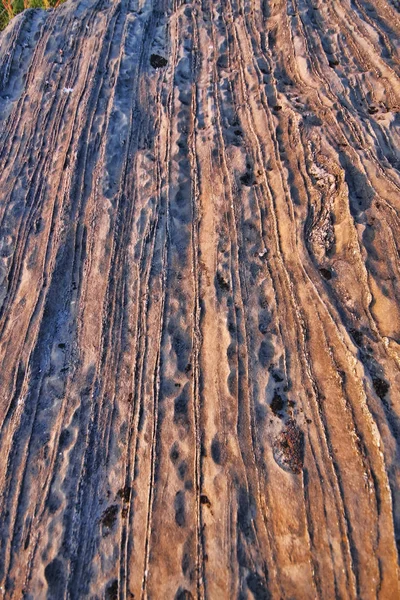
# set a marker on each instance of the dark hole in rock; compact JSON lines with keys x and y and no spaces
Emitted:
{"x":372,"y":110}
{"x":64,"y":440}
{"x":357,"y":336}
{"x":277,"y":404}
{"x":124,"y":493}
{"x":381,"y":387}
{"x":216,"y":451}
{"x":174,"y":453}
{"x":326,"y":273}
{"x":112,"y":590}
{"x":223,"y":284}
{"x":157,"y":61}
{"x":276,"y":375}
{"x":109,"y":516}
{"x":333,"y":63}
{"x":277,"y":107}
{"x":183,"y":595}
{"x":205,"y":500}
{"x":247,"y":179}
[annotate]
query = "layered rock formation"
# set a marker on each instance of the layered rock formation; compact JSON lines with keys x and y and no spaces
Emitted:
{"x":200,"y":317}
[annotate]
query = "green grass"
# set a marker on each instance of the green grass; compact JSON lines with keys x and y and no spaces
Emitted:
{"x":10,"y":8}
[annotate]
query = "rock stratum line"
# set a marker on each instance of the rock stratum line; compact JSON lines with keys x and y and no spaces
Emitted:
{"x":200,"y":316}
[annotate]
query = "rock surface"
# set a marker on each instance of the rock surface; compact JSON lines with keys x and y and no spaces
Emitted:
{"x":199,"y":290}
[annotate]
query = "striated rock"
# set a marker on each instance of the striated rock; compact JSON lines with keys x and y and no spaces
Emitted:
{"x":199,"y":300}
